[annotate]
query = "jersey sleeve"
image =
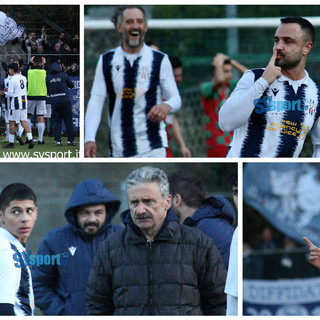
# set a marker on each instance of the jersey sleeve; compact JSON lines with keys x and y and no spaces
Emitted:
{"x":95,"y":104}
{"x":9,"y":277}
{"x":169,"y":88}
{"x":237,"y":109}
{"x":206,"y":90}
{"x":11,"y":86}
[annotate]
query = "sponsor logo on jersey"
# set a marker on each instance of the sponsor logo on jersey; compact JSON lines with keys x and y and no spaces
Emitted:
{"x":266,"y":104}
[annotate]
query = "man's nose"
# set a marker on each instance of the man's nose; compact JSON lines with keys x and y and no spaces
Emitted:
{"x":92,"y":217}
{"x":24,"y":217}
{"x":140,"y":209}
{"x":278,"y":46}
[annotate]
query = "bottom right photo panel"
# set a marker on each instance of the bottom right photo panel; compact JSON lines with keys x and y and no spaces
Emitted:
{"x":281,"y":239}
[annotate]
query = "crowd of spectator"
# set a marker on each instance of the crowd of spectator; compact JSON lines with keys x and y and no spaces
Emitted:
{"x":275,"y":256}
{"x":60,"y":49}
{"x":57,"y":60}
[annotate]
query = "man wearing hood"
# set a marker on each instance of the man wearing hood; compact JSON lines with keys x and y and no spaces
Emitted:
{"x":214,"y":215}
{"x":155,"y":266}
{"x":60,"y":288}
{"x":58,"y":84}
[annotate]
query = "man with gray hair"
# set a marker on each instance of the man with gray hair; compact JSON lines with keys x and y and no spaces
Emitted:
{"x":136,"y":79}
{"x":155,"y":266}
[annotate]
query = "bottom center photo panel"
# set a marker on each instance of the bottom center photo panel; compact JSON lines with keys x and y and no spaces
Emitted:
{"x":120,"y":238}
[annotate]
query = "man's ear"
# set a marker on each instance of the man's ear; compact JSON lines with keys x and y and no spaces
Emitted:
{"x":1,"y":217}
{"x":177,"y":200}
{"x":307,"y":48}
{"x":168,"y":202}
{"x":37,"y":210}
{"x":118,"y":27}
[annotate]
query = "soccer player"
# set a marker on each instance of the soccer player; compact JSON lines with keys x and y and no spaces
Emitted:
{"x":272,"y":110}
{"x":213,"y":94}
{"x":136,"y":80}
{"x":37,"y":93}
{"x":18,"y":214}
{"x":17,"y":91}
{"x":172,"y":124}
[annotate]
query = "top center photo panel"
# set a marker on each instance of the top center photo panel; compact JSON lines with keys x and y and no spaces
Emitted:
{"x":200,"y":81}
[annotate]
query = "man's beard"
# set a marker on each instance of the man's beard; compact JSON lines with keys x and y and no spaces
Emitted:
{"x":135,"y":43}
{"x":288,"y":63}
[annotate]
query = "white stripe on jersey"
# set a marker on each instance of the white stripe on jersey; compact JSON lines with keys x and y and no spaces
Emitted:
{"x":128,"y":115}
{"x":280,"y":129}
{"x":10,"y":276}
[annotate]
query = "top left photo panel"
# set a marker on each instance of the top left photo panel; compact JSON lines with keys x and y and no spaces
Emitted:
{"x":39,"y":81}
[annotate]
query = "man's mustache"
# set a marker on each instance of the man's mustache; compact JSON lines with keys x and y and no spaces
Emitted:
{"x":143,"y":216}
{"x":91,"y":224}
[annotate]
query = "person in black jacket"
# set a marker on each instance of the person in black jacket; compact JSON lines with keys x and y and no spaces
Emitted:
{"x":155,"y":266}
{"x":58,"y":84}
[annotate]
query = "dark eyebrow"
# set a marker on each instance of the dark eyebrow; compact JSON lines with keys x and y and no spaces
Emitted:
{"x":286,"y":38}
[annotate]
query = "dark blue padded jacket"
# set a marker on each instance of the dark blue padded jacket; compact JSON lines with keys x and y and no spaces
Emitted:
{"x":58,"y":84}
{"x":59,"y":289}
{"x":215,"y":218}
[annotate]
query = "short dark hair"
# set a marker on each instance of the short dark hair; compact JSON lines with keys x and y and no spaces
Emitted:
{"x":14,"y":66}
{"x":37,"y":61}
{"x":151,"y":42}
{"x":233,"y":178}
{"x":16,"y":191}
{"x":226,"y":61}
{"x":305,"y":25}
{"x":175,"y":62}
{"x":118,"y":13}
{"x":189,"y":187}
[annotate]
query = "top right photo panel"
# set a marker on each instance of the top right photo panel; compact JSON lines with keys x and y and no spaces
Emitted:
{"x":201,"y":81}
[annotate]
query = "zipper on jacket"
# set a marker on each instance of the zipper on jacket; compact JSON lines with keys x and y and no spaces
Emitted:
{"x":150,"y":277}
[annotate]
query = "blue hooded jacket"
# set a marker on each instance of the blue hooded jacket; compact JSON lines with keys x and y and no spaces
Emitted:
{"x":60,"y":287}
{"x":215,"y":218}
{"x":58,"y":84}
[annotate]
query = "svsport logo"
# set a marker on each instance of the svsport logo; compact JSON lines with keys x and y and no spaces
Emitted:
{"x":28,"y":259}
{"x":266,"y":104}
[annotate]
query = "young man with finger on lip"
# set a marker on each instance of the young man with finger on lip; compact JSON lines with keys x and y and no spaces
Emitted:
{"x":272,"y":110}
{"x":136,"y":79}
{"x":18,"y":214}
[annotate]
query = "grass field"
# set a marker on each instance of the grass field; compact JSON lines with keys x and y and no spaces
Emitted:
{"x":40,"y":151}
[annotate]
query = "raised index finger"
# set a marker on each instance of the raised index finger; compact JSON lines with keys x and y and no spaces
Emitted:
{"x":273,"y":58}
{"x":308,"y":242}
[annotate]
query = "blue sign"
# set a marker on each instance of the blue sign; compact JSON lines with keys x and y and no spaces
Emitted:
{"x":297,"y":297}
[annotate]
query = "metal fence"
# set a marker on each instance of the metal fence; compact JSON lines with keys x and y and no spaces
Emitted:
{"x":280,"y":263}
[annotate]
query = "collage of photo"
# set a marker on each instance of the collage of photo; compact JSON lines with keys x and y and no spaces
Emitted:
{"x":144,"y":122}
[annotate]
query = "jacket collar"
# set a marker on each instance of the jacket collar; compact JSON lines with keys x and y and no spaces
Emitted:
{"x":167,"y":231}
{"x":213,"y":207}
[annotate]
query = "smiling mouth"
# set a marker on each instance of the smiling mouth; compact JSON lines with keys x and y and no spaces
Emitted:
{"x":135,"y":33}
